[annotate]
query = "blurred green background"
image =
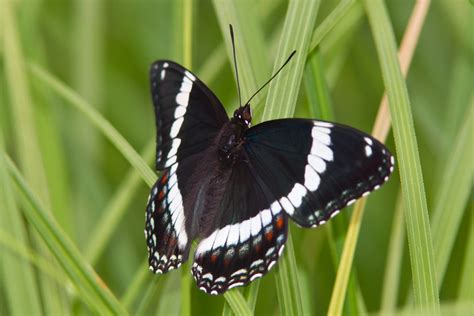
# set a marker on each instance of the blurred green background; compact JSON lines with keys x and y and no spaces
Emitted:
{"x":101,"y":51}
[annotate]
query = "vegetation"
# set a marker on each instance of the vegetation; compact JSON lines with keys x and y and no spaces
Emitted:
{"x":77,"y":145}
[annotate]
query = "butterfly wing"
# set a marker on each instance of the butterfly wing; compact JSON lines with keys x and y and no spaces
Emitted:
{"x":246,"y":236}
{"x":188,"y":118}
{"x":316,"y":168}
{"x":188,"y":114}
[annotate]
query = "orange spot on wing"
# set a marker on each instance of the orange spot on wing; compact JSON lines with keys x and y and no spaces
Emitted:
{"x":269,"y":235}
{"x":161,"y":195}
{"x":279,"y":223}
{"x":213,"y":258}
{"x":164,"y":178}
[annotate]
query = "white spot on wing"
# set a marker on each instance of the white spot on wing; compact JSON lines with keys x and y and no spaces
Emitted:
{"x":235,"y":285}
{"x":323,"y":124}
{"x":180,"y":111}
{"x":206,"y":244}
{"x":256,"y":263}
{"x":321,"y":150}
{"x":207,"y":276}
{"x":186,"y":85}
{"x":176,"y":127}
{"x":321,"y":136}
{"x":255,"y":276}
{"x":182,"y":98}
{"x":287,"y":205}
{"x":244,"y":230}
{"x":311,"y":179}
{"x":296,"y":195}
{"x":233,"y":238}
{"x":170,"y":161}
{"x":190,"y":75}
{"x":317,"y":163}
{"x":266,"y":217}
{"x":368,"y":151}
{"x":221,"y":237}
{"x":241,"y":271}
{"x":174,"y":147}
{"x":255,"y":225}
{"x":368,"y":141}
{"x":275,"y":207}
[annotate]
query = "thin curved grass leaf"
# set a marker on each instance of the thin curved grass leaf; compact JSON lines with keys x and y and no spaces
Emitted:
{"x":416,"y":212}
{"x":83,"y":277}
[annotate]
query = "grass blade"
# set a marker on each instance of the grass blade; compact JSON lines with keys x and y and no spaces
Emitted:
{"x":466,"y":288}
{"x":330,"y":22}
{"x":19,"y":282}
{"x":26,"y":138}
{"x":283,"y":91}
{"x":453,"y":195}
{"x":391,"y":280}
{"x":115,"y":210}
{"x":185,"y":291}
{"x":249,"y":41}
{"x":416,"y":212}
{"x":26,"y":254}
{"x":380,"y":131}
{"x":82,"y":275}
{"x":99,"y":121}
{"x":137,"y":284}
{"x":281,"y":100}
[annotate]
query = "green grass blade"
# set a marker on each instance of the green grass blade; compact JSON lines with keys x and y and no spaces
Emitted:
{"x":99,"y":121}
{"x":416,"y":212}
{"x":466,"y":288}
{"x":249,"y":41}
{"x":148,"y":297}
{"x":320,"y":107}
{"x":281,"y":101}
{"x":461,"y":308}
{"x":237,"y":302}
{"x":316,"y":88}
{"x":82,"y":275}
{"x":115,"y":210}
{"x":185,"y":299}
{"x":283,"y":91}
{"x":19,"y":282}
{"x":453,"y":195}
{"x":330,"y":22}
{"x":391,"y":280}
{"x":26,"y":254}
{"x":26,"y":139}
{"x":136,"y":285}
{"x":252,"y":63}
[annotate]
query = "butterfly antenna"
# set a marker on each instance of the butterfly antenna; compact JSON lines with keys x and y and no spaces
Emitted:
{"x":235,"y":63}
{"x":278,"y":71}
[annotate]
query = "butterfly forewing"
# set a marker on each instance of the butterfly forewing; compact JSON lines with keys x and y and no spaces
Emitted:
{"x":188,"y":114}
{"x":188,"y":118}
{"x":316,"y":168}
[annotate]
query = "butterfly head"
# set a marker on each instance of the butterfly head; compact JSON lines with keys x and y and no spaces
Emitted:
{"x":243,"y":115}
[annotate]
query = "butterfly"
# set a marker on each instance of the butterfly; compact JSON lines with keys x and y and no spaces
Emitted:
{"x":234,"y":187}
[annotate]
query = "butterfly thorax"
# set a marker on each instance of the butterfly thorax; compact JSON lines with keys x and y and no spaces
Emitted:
{"x":231,"y":137}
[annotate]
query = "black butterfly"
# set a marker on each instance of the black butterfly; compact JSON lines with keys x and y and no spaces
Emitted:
{"x":234,"y":187}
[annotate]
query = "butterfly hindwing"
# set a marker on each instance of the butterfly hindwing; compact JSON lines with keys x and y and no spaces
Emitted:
{"x":188,"y":114}
{"x":247,"y":236}
{"x":316,"y":168}
{"x":166,"y":237}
